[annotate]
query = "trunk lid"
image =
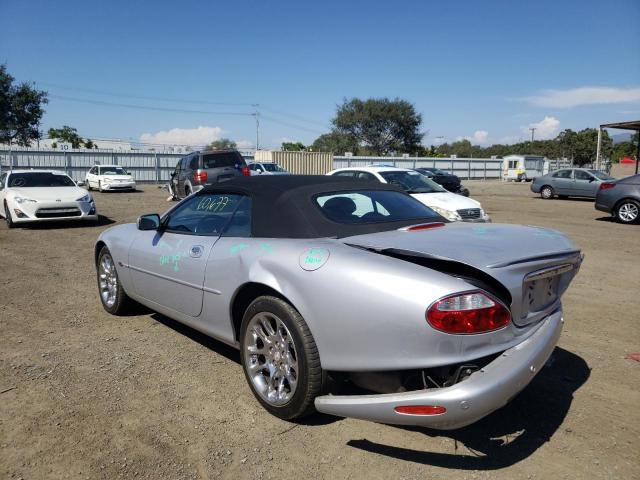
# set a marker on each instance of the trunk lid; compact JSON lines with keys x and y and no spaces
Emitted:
{"x":534,"y":264}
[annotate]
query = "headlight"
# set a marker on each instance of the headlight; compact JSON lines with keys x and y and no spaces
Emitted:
{"x":86,"y":198}
{"x":23,"y":200}
{"x":448,"y":214}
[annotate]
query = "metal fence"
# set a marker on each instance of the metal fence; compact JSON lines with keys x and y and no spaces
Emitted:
{"x":157,"y":167}
{"x":146,"y":167}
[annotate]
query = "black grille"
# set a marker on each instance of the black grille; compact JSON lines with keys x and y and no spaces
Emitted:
{"x":58,"y":212}
{"x":469,"y":213}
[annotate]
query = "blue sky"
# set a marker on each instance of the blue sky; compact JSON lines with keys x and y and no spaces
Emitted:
{"x":483,"y":70}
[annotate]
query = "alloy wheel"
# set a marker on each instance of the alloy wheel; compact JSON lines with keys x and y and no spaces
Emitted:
{"x":108,"y":280}
{"x":628,"y":212}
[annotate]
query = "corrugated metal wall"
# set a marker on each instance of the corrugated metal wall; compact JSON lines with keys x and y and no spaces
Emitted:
{"x":301,"y":163}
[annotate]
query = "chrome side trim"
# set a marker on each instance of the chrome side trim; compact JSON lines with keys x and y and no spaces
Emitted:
{"x":174,"y":280}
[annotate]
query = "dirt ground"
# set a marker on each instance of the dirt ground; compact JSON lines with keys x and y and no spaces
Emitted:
{"x":87,"y":395}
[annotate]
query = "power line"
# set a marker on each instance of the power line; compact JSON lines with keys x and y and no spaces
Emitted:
{"x":290,"y":125}
{"x":145,"y":107}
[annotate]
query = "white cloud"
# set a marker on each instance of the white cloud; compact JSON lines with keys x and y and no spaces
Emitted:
{"x":184,"y":136}
{"x":545,"y":128}
{"x":478,"y":137}
{"x":244,"y":144}
{"x":575,"y":97}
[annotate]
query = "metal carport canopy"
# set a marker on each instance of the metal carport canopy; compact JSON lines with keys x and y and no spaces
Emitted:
{"x":632,"y":125}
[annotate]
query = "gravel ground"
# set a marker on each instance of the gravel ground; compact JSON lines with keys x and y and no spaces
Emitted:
{"x":87,"y":395}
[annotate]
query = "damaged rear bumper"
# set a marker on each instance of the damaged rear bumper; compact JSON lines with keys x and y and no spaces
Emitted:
{"x":466,"y":402}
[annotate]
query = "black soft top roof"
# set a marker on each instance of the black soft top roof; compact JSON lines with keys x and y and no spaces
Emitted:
{"x":283,"y":206}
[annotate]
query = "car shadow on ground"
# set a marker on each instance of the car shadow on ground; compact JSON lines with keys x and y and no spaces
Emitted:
{"x":58,"y":225}
{"x":608,"y":218}
{"x":510,"y":434}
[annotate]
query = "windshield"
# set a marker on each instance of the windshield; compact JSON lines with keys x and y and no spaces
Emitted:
{"x":273,"y":167}
{"x":412,"y":182}
{"x":600,"y":175}
{"x":39,"y":179}
{"x":113,"y":171}
{"x":373,"y":206}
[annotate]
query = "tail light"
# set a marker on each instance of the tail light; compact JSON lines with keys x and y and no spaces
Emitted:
{"x":471,"y":312}
{"x":246,"y":172}
{"x":200,"y":176}
{"x":606,"y":185}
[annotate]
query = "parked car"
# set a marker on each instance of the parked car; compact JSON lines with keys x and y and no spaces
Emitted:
{"x":199,"y":169}
{"x":109,"y":177}
{"x":451,"y":206}
{"x":322,"y":280}
{"x":449,"y":181}
{"x":267,"y":168}
{"x":30,"y":196}
{"x":569,"y":182}
{"x":620,"y":198}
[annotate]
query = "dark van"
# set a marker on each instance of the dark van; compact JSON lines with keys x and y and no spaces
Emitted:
{"x":198,"y":169}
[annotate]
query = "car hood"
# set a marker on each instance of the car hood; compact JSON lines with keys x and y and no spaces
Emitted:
{"x":446,"y":200}
{"x":45,"y":194}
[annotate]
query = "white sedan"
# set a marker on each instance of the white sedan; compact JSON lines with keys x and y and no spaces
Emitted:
{"x":109,"y":177}
{"x":455,"y":208}
{"x":43,"y":195}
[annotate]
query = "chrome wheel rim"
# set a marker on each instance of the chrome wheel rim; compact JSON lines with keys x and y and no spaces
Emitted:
{"x":271,"y":359}
{"x":546,"y":192}
{"x":107,"y":280}
{"x":628,"y":212}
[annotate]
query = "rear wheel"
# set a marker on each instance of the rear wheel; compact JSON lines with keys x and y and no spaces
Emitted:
{"x":628,"y":211}
{"x":7,"y":216}
{"x":546,"y":192}
{"x":113,"y":297}
{"x":280,"y":358}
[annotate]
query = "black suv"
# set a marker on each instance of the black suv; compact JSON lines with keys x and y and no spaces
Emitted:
{"x":447,"y":180}
{"x":198,"y":169}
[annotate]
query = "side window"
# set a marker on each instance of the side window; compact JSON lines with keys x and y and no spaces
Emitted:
{"x":252,"y":166}
{"x":3,"y":178}
{"x":240,"y":224}
{"x":348,"y":173}
{"x":582,"y":175}
{"x":203,"y":214}
{"x":562,"y":174}
{"x":366,"y":176}
{"x":193,"y":162}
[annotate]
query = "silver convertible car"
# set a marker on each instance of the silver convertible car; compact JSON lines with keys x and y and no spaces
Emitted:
{"x":349,"y":297}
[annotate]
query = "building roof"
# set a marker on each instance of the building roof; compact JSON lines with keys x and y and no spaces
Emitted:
{"x":285,"y":206}
{"x":632,"y":125}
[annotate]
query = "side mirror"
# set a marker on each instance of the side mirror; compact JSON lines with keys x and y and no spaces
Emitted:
{"x":149,"y":222}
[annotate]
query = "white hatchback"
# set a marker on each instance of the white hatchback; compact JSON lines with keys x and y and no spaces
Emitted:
{"x":109,"y":177}
{"x":43,"y":195}
{"x":451,"y":206}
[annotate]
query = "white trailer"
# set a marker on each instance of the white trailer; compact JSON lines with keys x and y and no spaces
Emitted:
{"x":523,"y":168}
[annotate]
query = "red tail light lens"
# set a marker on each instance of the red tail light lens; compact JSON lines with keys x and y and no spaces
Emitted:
{"x":606,"y":185}
{"x":200,"y":176}
{"x":471,"y":312}
{"x":246,"y":172}
{"x":423,"y":226}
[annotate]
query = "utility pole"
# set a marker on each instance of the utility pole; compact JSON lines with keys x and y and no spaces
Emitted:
{"x":533,"y":129}
{"x":256,"y":114}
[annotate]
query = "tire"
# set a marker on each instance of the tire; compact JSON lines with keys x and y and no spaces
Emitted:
{"x":89,"y":186}
{"x":7,"y":216}
{"x":628,"y":211}
{"x":546,"y":192}
{"x":100,"y":186}
{"x":187,"y":191}
{"x":563,"y":197}
{"x":112,"y":296}
{"x":290,"y":351}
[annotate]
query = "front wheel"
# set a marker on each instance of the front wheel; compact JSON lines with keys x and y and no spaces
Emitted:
{"x":8,"y":217}
{"x":546,"y":192}
{"x":280,"y":358}
{"x":100,"y":187}
{"x":628,"y":211}
{"x":113,"y":297}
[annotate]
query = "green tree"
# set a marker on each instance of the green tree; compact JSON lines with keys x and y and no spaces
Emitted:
{"x":293,"y":147}
{"x":336,"y":143}
{"x":379,"y":125}
{"x":587,"y":144}
{"x":221,"y":144}
{"x":20,"y":110}
{"x":66,"y":134}
{"x":88,"y":143}
{"x":625,"y":149}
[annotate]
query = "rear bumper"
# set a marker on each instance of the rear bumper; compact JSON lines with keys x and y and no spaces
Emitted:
{"x":466,"y":402}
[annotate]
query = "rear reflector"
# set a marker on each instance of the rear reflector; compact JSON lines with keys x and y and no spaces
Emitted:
{"x":420,"y":410}
{"x":422,"y":226}
{"x":606,"y":185}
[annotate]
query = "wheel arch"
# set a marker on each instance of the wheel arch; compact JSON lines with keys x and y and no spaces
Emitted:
{"x":100,"y":244}
{"x":625,"y":199}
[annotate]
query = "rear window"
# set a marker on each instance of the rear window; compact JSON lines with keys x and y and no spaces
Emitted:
{"x":372,"y":206}
{"x":412,"y":182}
{"x":219,"y":160}
{"x":39,"y":179}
